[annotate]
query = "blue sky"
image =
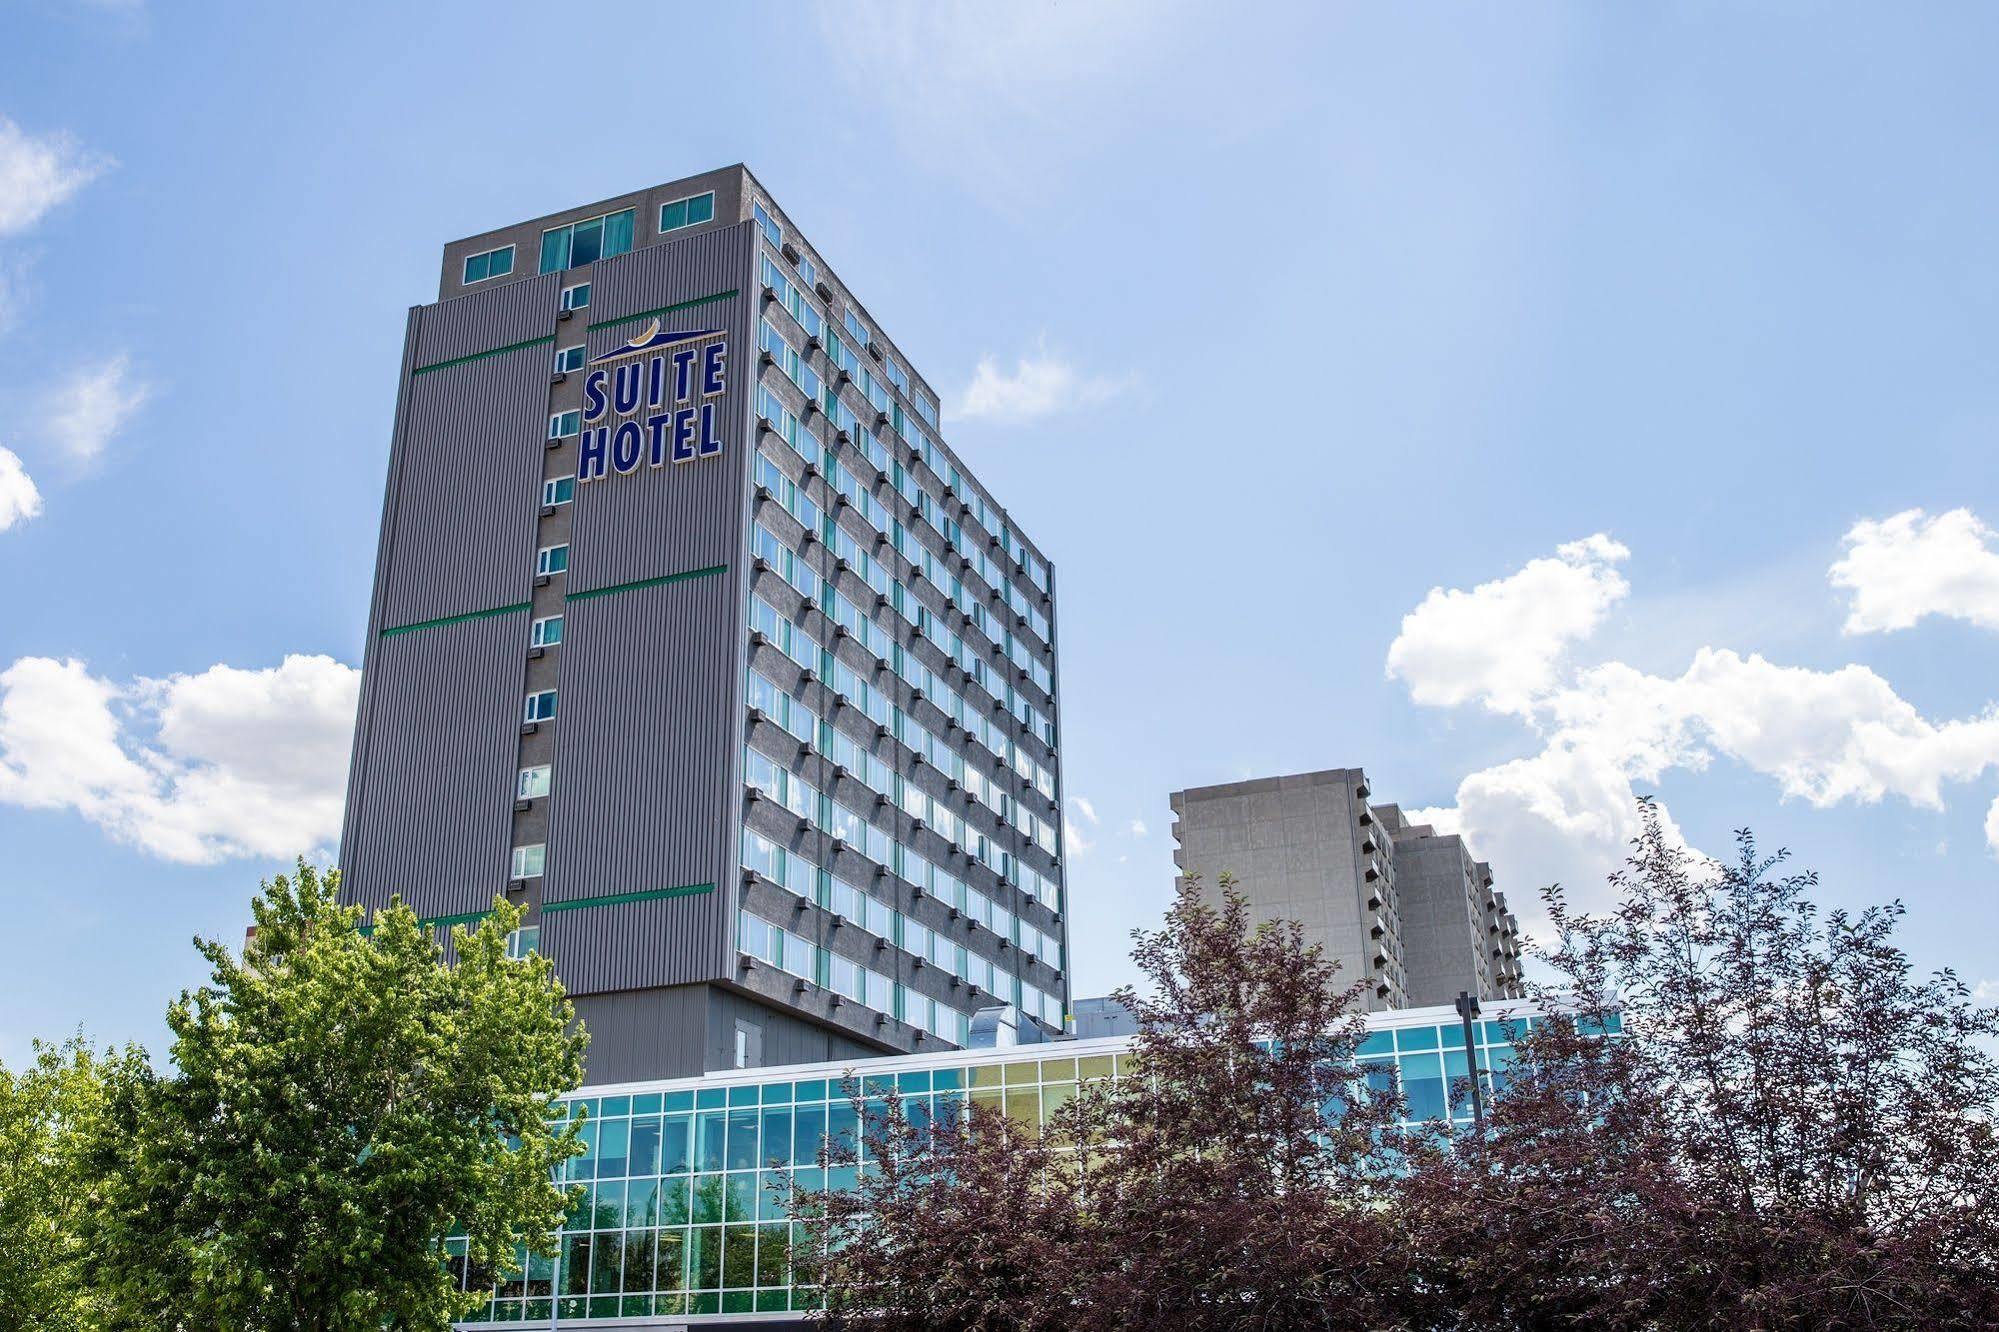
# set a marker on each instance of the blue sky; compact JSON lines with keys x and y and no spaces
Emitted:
{"x":1532,"y":405}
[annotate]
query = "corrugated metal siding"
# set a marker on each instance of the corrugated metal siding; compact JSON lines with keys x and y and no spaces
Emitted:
{"x":667,"y":519}
{"x":432,"y":812}
{"x":468,"y":489}
{"x":648,"y":745}
{"x":493,"y":317}
{"x":643,"y":795}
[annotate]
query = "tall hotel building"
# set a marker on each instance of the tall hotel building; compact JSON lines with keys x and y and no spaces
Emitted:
{"x":691,"y":635}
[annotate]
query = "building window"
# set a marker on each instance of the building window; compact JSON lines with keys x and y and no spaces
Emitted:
{"x":552,"y":559}
{"x":525,"y":940}
{"x":534,"y":783}
{"x":687,"y":212}
{"x":528,"y":860}
{"x":857,"y":328}
{"x":491,"y":264}
{"x":563,"y":425}
{"x":558,"y":490}
{"x":586,"y":242}
{"x":545,"y":632}
{"x":806,"y":270}
{"x":576,"y":297}
{"x":766,"y":224}
{"x":540,"y":707}
{"x":569,"y":358}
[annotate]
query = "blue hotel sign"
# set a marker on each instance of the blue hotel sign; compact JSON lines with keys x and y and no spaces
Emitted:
{"x":654,"y":400}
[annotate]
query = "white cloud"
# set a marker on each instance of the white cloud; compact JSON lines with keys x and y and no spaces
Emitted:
{"x":1992,"y":827}
{"x":1040,"y":385}
{"x":37,"y":174}
{"x":1567,"y":812}
{"x":192,"y":768}
{"x":1138,"y":827}
{"x":1909,"y":565}
{"x":92,"y":405}
{"x":19,"y":500}
{"x":1501,"y":642}
{"x":1084,"y":807}
{"x":1985,"y":992}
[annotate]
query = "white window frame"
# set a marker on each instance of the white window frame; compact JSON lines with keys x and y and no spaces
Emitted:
{"x":543,"y":778}
{"x":548,"y":489}
{"x":565,"y":425}
{"x":530,"y":709}
{"x":517,"y":867}
{"x":569,"y":301}
{"x":542,"y":559}
{"x":537,"y":631}
{"x":563,"y":355}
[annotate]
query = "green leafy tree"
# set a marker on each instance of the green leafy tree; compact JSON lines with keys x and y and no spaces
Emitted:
{"x":51,"y":1111}
{"x":342,"y":1099}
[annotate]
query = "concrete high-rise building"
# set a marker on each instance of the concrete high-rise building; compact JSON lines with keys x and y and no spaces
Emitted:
{"x":691,"y":635}
{"x":1306,"y":848}
{"x":1405,"y":908}
{"x":1457,"y":934}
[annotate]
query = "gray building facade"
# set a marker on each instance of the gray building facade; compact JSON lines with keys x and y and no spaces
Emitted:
{"x":1306,"y":848}
{"x":1406,"y":910}
{"x":1457,"y":933}
{"x":691,"y":636}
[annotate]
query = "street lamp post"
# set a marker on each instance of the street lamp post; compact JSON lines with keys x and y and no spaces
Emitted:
{"x":1467,"y":1010}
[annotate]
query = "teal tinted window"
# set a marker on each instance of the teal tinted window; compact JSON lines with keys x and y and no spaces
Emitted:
{"x":618,"y":232}
{"x":1377,"y":1043}
{"x":587,"y":241}
{"x":1416,"y":1038}
{"x":675,"y":1156}
{"x":687,"y":212}
{"x":742,"y":1143}
{"x":645,"y":1145}
{"x":710,"y":1133}
{"x":555,"y":250}
{"x":776,"y":1137}
{"x":491,"y":264}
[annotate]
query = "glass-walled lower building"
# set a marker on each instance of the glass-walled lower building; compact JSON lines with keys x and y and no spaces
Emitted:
{"x":682,"y":1214}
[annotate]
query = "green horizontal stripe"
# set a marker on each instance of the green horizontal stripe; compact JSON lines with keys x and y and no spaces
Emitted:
{"x":480,"y":356}
{"x":665,"y":309}
{"x":660,"y":581}
{"x":615,"y":899}
{"x":454,"y":619}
